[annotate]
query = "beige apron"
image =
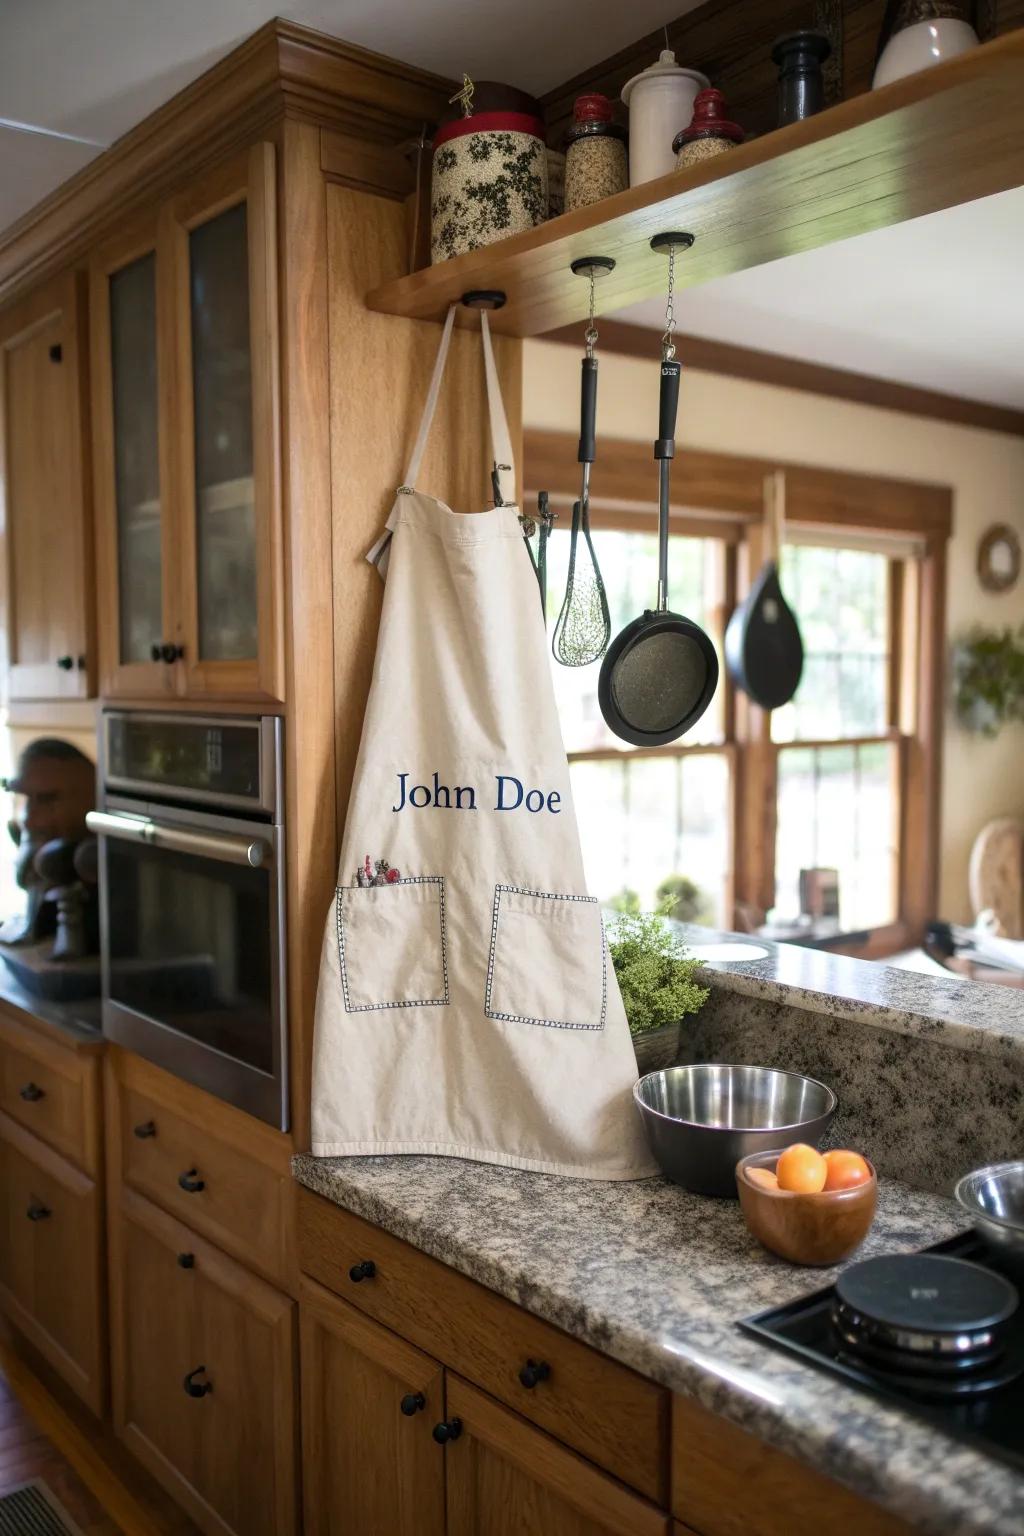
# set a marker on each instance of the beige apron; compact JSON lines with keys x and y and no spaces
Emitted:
{"x":467,"y":1003}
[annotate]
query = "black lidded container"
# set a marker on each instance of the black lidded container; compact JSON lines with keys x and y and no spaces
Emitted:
{"x":799,"y":57}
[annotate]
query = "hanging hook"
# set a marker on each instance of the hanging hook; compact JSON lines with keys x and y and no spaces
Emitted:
{"x":671,"y":241}
{"x":592,"y":267}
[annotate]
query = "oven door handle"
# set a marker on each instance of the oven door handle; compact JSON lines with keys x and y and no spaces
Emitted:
{"x":255,"y":852}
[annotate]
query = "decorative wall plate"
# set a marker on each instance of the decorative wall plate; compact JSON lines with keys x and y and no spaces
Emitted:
{"x":999,"y":558}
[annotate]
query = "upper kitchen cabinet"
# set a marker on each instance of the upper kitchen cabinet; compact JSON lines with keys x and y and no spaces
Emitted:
{"x":184,"y":349}
{"x":45,"y":497}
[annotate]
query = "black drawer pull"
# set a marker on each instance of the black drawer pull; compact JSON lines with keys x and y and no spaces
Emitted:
{"x":411,"y":1403}
{"x":197,"y":1388}
{"x":186,"y":1261}
{"x":31,"y":1093}
{"x":190,"y":1182}
{"x":147,"y":1128}
{"x":534,"y":1372}
{"x":364,"y":1271}
{"x":37,"y":1211}
{"x":66,"y":663}
{"x":445,"y":1431}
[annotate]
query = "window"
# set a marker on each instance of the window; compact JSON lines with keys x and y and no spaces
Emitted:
{"x":844,"y":777}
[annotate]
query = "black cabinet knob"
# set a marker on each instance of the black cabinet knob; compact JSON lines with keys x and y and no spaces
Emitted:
{"x":145,"y":1130}
{"x":186,"y":1261}
{"x":197,"y":1388}
{"x":66,"y":663}
{"x":156,"y":652}
{"x":364,"y":1271}
{"x":56,"y":353}
{"x":31,"y":1093}
{"x":534,"y":1372}
{"x":171,"y":653}
{"x":411,"y":1403}
{"x":190,"y":1182}
{"x":37,"y":1211}
{"x":447,"y":1430}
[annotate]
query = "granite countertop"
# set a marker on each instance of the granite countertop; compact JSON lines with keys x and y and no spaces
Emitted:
{"x":657,"y":1278}
{"x":78,"y":1023}
{"x":971,"y":1015}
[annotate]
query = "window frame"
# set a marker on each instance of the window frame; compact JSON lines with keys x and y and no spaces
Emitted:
{"x":721,"y":496}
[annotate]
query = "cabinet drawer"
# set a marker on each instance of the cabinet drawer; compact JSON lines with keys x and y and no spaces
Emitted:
{"x":204,"y":1375}
{"x":727,"y":1482}
{"x":51,"y":1090}
{"x":604,"y":1410}
{"x":218,"y":1183}
{"x":51,"y":1259}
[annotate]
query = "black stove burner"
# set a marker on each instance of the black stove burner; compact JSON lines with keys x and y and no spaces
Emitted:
{"x":940,"y":1332}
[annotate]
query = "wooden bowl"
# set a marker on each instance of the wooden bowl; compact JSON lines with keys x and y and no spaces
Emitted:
{"x":806,"y":1229}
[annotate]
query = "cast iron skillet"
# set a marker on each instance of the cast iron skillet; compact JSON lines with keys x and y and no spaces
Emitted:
{"x":763,"y":649}
{"x":660,"y":673}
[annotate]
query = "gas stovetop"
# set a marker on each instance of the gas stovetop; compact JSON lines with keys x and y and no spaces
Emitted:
{"x":958,"y":1362}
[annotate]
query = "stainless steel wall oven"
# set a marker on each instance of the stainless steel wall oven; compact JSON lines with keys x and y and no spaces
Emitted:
{"x":192,"y":900}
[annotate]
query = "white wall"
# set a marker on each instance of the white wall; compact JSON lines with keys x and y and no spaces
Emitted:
{"x":981,"y":778}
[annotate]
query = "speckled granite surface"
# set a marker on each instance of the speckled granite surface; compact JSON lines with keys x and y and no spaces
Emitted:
{"x":657,"y":1279}
{"x":970,"y":1014}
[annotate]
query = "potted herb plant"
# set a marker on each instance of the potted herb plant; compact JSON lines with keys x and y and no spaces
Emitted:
{"x":658,"y":984}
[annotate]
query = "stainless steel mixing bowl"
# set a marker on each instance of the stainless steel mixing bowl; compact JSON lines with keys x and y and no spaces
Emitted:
{"x":993,"y":1197}
{"x":701,"y":1120}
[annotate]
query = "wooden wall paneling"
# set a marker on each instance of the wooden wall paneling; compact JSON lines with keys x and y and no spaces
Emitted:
{"x":923,"y":781}
{"x":308,"y":591}
{"x":380,"y":370}
{"x":735,"y":362}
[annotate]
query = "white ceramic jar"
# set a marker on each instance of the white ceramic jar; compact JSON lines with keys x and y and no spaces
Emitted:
{"x":922,"y":45}
{"x":660,"y":102}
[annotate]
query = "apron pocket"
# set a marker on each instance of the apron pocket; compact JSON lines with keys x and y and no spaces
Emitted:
{"x":392,"y":945}
{"x":547,"y":963}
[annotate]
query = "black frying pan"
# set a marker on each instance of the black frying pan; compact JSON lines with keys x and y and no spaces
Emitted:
{"x":763,"y":649}
{"x":660,"y":673}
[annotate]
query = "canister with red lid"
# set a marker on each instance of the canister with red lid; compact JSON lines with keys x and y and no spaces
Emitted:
{"x":490,"y":171}
{"x":595,"y":156}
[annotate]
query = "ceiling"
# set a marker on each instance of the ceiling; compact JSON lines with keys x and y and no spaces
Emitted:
{"x":92,"y":69}
{"x":934,"y":302}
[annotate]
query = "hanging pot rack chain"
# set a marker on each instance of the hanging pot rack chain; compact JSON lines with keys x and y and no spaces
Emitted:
{"x":670,"y":242}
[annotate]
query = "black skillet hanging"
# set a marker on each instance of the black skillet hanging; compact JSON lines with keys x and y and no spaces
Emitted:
{"x":763,"y":649}
{"x":660,"y":673}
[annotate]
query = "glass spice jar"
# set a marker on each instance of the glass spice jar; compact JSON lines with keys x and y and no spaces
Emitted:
{"x":595,"y":155}
{"x":710,"y":132}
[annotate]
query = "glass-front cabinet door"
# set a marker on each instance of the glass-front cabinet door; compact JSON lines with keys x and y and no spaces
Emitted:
{"x":225,"y":282}
{"x":185,"y":360}
{"x":131,"y":468}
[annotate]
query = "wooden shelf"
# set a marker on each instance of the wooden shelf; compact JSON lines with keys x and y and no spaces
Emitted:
{"x":947,"y":136}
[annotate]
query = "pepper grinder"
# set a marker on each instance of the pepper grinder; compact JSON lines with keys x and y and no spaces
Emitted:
{"x":799,"y":57}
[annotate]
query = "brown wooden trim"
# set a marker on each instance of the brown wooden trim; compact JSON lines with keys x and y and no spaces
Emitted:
{"x":734,"y":362}
{"x":633,"y":754}
{"x":728,"y":485}
{"x":283,"y":70}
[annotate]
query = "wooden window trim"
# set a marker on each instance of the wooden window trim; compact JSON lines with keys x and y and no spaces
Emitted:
{"x":720,"y":496}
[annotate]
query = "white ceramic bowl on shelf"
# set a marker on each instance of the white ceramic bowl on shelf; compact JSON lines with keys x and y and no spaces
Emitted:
{"x":921,"y":46}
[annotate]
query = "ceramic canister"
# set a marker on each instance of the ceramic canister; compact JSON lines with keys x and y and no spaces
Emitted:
{"x":660,"y":102}
{"x":490,"y":179}
{"x":927,"y":32}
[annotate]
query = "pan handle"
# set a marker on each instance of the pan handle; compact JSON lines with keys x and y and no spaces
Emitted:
{"x":668,"y":409}
{"x":588,"y":412}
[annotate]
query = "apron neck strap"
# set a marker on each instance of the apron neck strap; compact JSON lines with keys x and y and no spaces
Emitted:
{"x":501,"y":440}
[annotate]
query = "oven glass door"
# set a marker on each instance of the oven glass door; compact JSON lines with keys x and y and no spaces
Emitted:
{"x":191,"y":943}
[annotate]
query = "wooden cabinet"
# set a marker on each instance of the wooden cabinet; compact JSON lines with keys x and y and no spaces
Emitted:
{"x":185,"y":380}
{"x":204,"y":1358}
{"x":223,"y":1173}
{"x":369,"y":1405}
{"x":53,"y":1090}
{"x":46,"y":495}
{"x":51,"y":1259}
{"x":504,"y":1477}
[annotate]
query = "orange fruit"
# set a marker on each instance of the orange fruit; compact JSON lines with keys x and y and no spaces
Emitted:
{"x":845,"y":1170}
{"x":763,"y":1178}
{"x":801,"y":1169}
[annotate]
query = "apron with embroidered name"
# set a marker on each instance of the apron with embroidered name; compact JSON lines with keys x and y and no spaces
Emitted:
{"x":467,"y":1003}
